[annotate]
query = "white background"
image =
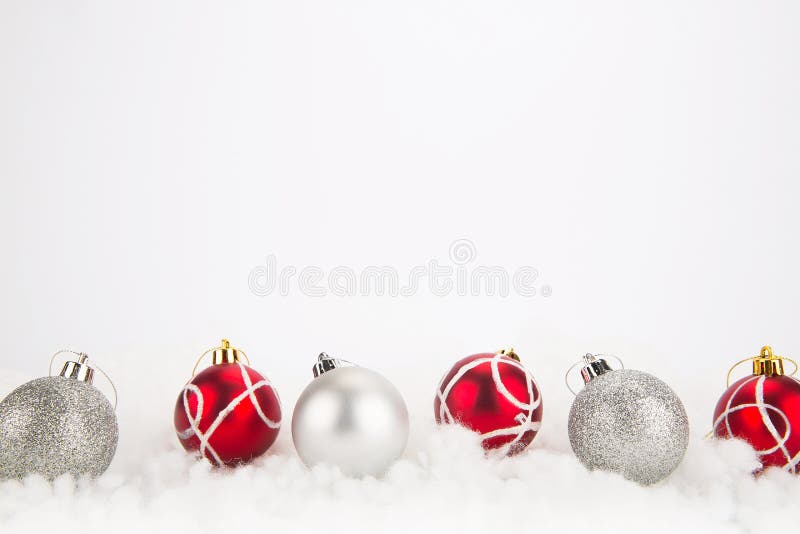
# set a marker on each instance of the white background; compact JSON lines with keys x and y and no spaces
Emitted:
{"x":643,"y":156}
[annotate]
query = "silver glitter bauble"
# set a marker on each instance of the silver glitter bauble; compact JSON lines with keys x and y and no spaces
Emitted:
{"x":350,"y":417}
{"x":628,"y":422}
{"x":56,"y":425}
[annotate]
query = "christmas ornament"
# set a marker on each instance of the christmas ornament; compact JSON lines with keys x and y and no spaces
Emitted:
{"x":764,"y":410}
{"x":494,"y":395}
{"x":229,"y":413}
{"x":628,"y":422}
{"x":58,"y":424}
{"x":350,"y":417}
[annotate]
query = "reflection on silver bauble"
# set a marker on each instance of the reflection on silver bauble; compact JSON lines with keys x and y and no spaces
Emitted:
{"x":56,"y":425}
{"x":631,"y":423}
{"x":353,"y":418}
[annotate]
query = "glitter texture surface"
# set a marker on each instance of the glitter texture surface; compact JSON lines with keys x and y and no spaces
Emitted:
{"x":629,"y":422}
{"x":56,"y":425}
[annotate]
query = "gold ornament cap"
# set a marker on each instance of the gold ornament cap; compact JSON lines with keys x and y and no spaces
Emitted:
{"x":509,"y":352}
{"x":225,"y":354}
{"x":767,"y":363}
{"x":222,"y":355}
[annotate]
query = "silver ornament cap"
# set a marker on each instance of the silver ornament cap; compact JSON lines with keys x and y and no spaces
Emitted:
{"x":56,"y":425}
{"x":351,"y":417}
{"x":628,"y":422}
{"x":325,"y":363}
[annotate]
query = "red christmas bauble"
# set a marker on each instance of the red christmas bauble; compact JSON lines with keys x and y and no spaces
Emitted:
{"x":494,"y":395}
{"x":229,"y":413}
{"x":764,"y":411}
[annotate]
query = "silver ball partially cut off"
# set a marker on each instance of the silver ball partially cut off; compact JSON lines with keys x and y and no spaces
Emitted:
{"x":56,"y":425}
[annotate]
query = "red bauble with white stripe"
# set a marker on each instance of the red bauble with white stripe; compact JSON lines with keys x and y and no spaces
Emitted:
{"x":765,"y":412}
{"x":493,"y":395}
{"x":229,"y":413}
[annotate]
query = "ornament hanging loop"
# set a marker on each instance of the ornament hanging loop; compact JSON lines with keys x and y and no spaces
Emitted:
{"x":594,"y":365}
{"x":81,"y":370}
{"x":82,"y":357}
{"x":766,"y":363}
{"x":222,"y":354}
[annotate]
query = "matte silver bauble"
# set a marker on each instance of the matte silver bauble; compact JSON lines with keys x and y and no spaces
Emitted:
{"x":627,"y":422}
{"x":350,"y":417}
{"x":56,"y":425}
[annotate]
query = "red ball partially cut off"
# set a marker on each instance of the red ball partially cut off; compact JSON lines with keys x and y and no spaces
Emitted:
{"x":765,"y":412}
